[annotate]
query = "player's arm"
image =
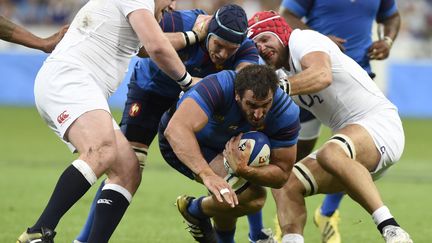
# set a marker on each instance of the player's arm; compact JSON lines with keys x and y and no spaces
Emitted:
{"x":158,"y":46}
{"x":188,"y":119}
{"x":273,"y":175}
{"x":16,"y":34}
{"x":177,"y":40}
{"x":380,"y":49}
{"x":316,"y":75}
{"x":180,"y":40}
{"x":295,"y":22}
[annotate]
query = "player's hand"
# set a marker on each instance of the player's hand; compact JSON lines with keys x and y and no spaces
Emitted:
{"x":338,"y":41}
{"x":201,"y":26}
{"x":52,"y":41}
{"x":379,"y":50}
{"x":237,"y":156}
{"x":218,"y":187}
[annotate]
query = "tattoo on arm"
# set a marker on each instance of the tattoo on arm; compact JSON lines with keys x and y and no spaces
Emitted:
{"x":6,"y":29}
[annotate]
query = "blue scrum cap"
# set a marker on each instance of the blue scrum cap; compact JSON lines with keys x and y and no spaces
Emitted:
{"x":229,"y":23}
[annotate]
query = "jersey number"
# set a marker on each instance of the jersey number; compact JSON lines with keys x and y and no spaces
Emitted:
{"x":309,"y":100}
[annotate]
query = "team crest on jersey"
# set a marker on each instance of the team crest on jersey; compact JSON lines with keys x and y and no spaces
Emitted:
{"x":63,"y":117}
{"x":219,"y":118}
{"x":219,"y":67}
{"x":135,"y":109}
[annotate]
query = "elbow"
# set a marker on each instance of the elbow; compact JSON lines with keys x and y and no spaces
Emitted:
{"x":281,"y":182}
{"x":155,"y":51}
{"x":326,"y":77}
{"x":168,"y":133}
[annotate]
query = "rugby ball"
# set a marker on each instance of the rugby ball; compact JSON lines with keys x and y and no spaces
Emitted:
{"x":259,"y":156}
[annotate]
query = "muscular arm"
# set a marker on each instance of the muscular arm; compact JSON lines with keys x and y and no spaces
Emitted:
{"x":316,"y":74}
{"x":180,"y":133}
{"x":392,"y":25}
{"x":380,"y":49}
{"x":16,"y":34}
{"x":276,"y":174}
{"x":176,"y":39}
{"x":156,"y":43}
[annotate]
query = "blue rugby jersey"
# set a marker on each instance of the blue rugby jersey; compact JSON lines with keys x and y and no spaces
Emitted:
{"x":348,"y":19}
{"x":196,"y":59}
{"x":215,"y":95}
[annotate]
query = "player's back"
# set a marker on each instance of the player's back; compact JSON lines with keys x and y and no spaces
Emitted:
{"x":216,"y":96}
{"x":352,"y":94}
{"x":101,"y":41}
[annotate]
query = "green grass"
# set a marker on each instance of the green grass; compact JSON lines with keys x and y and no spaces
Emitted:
{"x":32,"y":158}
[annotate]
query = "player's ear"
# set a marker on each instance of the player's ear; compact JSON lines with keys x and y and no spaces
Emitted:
{"x":237,"y":96}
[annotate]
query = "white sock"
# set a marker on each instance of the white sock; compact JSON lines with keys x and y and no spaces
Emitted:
{"x":292,"y":238}
{"x":381,"y":214}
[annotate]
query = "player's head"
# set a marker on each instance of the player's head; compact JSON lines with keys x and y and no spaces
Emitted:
{"x":255,"y":86}
{"x":162,"y":6}
{"x":227,"y":30}
{"x":271,"y":34}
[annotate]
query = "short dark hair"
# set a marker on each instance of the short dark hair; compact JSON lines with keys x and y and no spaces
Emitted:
{"x":257,"y":78}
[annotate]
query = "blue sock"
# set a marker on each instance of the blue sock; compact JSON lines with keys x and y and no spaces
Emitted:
{"x":85,"y":231}
{"x":225,"y":236}
{"x":331,"y":203}
{"x":195,"y":209}
{"x":255,"y":226}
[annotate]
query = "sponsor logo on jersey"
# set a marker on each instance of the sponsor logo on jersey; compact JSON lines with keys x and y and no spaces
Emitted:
{"x":135,"y":109}
{"x":63,"y":117}
{"x":104,"y":201}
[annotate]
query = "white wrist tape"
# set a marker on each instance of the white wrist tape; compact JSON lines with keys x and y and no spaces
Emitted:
{"x":185,"y":81}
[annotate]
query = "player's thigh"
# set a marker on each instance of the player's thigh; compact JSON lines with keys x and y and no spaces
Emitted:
{"x":310,"y":178}
{"x":142,"y":113}
{"x":92,"y":130}
{"x":388,"y":136}
{"x":126,"y":166}
{"x":74,"y":106}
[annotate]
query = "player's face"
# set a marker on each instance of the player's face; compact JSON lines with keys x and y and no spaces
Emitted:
{"x":220,"y":50}
{"x":271,"y":50}
{"x":161,"y":6}
{"x":254,"y":110}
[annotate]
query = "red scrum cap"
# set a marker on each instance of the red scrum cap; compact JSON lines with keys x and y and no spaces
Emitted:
{"x":269,"y":22}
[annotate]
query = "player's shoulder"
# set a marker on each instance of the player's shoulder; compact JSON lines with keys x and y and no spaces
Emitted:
{"x":283,"y":106}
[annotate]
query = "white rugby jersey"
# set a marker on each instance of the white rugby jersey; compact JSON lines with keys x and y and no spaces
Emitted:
{"x":101,"y":41}
{"x":352,"y":95}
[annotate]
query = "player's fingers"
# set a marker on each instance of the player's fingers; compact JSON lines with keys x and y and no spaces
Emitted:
{"x":229,"y":196}
{"x":217,"y":194}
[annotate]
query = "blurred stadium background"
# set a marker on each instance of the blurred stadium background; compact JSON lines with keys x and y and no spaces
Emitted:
{"x":31,"y":156}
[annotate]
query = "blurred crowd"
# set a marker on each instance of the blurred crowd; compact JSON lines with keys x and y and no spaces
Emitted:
{"x":416,"y":16}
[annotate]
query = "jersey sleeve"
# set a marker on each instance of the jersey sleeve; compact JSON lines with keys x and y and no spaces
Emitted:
{"x":386,"y":9}
{"x":179,"y":21}
{"x":285,"y":125}
{"x":247,"y":53}
{"x":303,"y":42}
{"x":209,"y":93}
{"x":128,"y":6}
{"x":300,"y":8}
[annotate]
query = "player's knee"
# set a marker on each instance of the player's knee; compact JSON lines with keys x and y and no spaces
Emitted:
{"x":257,"y":200}
{"x":326,"y":158}
{"x":302,"y":181}
{"x":101,"y":155}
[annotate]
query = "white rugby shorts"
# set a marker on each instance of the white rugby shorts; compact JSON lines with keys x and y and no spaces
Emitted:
{"x":387,"y":132}
{"x":386,"y":129}
{"x":63,"y":92}
{"x":310,"y":129}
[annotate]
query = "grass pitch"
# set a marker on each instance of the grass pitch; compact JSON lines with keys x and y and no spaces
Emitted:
{"x":32,"y":158}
